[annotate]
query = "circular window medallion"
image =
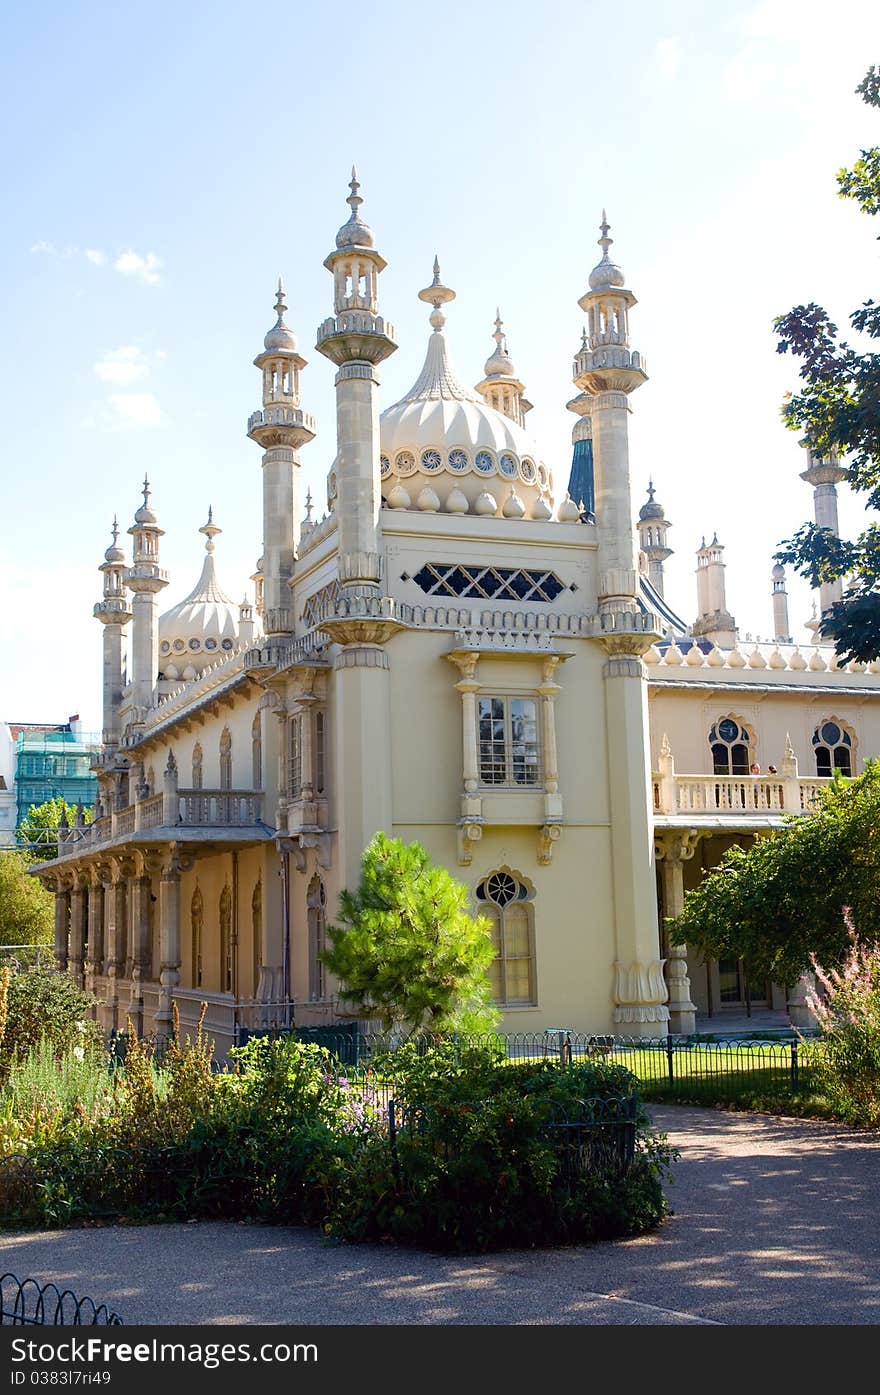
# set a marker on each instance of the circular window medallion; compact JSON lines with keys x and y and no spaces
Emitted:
{"x":384,"y":466}
{"x":195,"y":644}
{"x":728,"y":730}
{"x":226,"y":644}
{"x":507,"y":466}
{"x":165,"y":647}
{"x":210,"y":644}
{"x":431,"y":460}
{"x":527,"y":471}
{"x":484,"y":462}
{"x":458,"y":460}
{"x":179,"y":645}
{"x":405,"y":463}
{"x":542,"y":476}
{"x":831,"y":733}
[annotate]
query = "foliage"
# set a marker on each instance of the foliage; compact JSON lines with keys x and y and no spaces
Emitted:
{"x":848,"y":1012}
{"x":838,"y":408}
{"x":782,"y":900}
{"x":27,"y":911}
{"x":478,"y":1165}
{"x":46,"y":1006}
{"x":38,"y":831}
{"x":407,"y":951}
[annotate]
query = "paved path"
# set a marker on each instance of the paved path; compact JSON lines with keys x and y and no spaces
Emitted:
{"x":775,"y":1222}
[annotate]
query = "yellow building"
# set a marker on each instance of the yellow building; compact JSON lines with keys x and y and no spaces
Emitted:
{"x":461,"y":651}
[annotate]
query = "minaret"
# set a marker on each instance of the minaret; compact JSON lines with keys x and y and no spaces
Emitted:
{"x":652,"y":528}
{"x":823,"y":475}
{"x":357,"y":339}
{"x":500,"y":388}
{"x":780,"y":606}
{"x":146,"y":579}
{"x":581,"y":479}
{"x":607,"y":371}
{"x":113,"y":612}
{"x":280,"y":428}
{"x":714,"y":620}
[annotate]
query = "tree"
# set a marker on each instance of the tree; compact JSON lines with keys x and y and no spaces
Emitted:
{"x":407,"y":951}
{"x":27,"y":913}
{"x":838,"y":408}
{"x":785,"y":899}
{"x":37,"y":834}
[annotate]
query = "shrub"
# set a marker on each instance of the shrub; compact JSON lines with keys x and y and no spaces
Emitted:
{"x":46,"y":1006}
{"x":848,"y":1014}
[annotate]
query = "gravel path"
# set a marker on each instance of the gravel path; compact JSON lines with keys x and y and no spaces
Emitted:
{"x":775,"y":1221}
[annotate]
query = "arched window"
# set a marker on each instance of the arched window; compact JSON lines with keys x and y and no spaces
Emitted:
{"x":197,"y":917}
{"x":257,"y":752}
{"x":226,"y":940}
{"x":316,"y":905}
{"x":507,"y":900}
{"x":832,"y":745}
{"x":730,"y":743}
{"x":226,"y":760}
{"x":197,"y":767}
{"x":257,"y":926}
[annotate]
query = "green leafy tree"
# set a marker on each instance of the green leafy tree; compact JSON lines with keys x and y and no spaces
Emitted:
{"x":27,"y":914}
{"x":37,"y":834}
{"x":407,"y":951}
{"x":838,"y":408}
{"x":783,"y":901}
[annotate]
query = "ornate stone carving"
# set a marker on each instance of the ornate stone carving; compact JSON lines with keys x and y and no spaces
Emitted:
{"x":548,"y":837}
{"x":469,"y":834}
{"x":640,"y":993}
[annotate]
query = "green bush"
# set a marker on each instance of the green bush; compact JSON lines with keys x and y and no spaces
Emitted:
{"x":848,"y":1014}
{"x":46,"y":1006}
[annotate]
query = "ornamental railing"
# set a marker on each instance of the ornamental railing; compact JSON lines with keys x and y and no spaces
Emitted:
{"x":734,"y":794}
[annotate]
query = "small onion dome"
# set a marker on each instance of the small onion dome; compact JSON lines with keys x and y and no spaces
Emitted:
{"x":456,"y":501}
{"x":427,"y":500}
{"x":650,"y":510}
{"x":568,"y":511}
{"x":778,"y":572}
{"x":513,"y":506}
{"x":114,"y":552}
{"x":399,"y":498}
{"x":145,"y":513}
{"x":355,"y":233}
{"x":499,"y":363}
{"x":485,"y":503}
{"x":541,"y":510}
{"x":606,"y":274}
{"x":280,"y":338}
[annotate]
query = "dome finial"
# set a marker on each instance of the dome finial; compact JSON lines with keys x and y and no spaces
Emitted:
{"x":605,"y":241}
{"x":280,"y":336}
{"x":651,"y":491}
{"x":605,"y":274}
{"x":115,"y":530}
{"x":437,"y":294}
{"x":499,"y":364}
{"x":210,"y":530}
{"x":114,"y":552}
{"x":355,"y":232}
{"x":145,"y":513}
{"x":308,"y":506}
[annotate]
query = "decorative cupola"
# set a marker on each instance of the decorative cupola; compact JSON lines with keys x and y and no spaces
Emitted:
{"x":114,"y":614}
{"x":824,"y":473}
{"x":714,"y":620}
{"x":501,"y":388}
{"x":145,"y":578}
{"x":356,"y":339}
{"x":781,"y":632}
{"x":204,"y":626}
{"x":281,"y":428}
{"x":652,"y":528}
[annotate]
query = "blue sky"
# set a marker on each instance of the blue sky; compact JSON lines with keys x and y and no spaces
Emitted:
{"x":163,"y":165}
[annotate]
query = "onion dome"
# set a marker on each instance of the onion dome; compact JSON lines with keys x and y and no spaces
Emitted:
{"x":443,"y":431}
{"x":145,"y":513}
{"x":650,"y":510}
{"x":778,"y":572}
{"x":499,"y":363}
{"x":606,"y":275}
{"x":204,"y":626}
{"x":114,"y":552}
{"x":280,"y":339}
{"x":355,"y":233}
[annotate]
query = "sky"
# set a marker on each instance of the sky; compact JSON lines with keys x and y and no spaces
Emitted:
{"x":164,"y":164}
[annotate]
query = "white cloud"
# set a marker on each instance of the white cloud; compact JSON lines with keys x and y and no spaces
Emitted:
{"x":136,"y":408}
{"x":95,"y":256}
{"x":122,"y":366}
{"x":667,"y":58}
{"x":51,"y":249}
{"x":131,"y":263}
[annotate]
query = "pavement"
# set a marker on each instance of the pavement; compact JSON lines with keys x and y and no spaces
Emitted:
{"x":775,"y":1221}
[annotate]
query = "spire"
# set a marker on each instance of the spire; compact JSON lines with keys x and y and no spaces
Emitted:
{"x":499,"y":364}
{"x":438,"y":377}
{"x":210,"y":530}
{"x":114,"y":552}
{"x":308,"y":506}
{"x":145,"y":513}
{"x":208,"y":588}
{"x":605,"y":274}
{"x":354,"y":233}
{"x":437,"y":294}
{"x":652,"y":526}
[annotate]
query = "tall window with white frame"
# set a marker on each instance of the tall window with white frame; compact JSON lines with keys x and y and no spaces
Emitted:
{"x":833,"y":748}
{"x":316,"y":908}
{"x":507,"y":900}
{"x":294,"y":757}
{"x":508,"y":741}
{"x":730,"y":744}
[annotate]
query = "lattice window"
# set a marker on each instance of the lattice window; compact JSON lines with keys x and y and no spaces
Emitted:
{"x":507,"y":729}
{"x":488,"y":583}
{"x":320,"y":606}
{"x":832,"y":745}
{"x":507,"y":900}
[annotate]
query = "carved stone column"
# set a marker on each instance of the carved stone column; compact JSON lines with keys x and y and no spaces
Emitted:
{"x":62,"y":927}
{"x":77,"y":929}
{"x":169,"y":938}
{"x":470,"y":823}
{"x":95,"y":939}
{"x":673,"y":848}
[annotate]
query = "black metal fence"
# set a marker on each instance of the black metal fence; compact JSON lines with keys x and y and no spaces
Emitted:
{"x":28,"y":1303}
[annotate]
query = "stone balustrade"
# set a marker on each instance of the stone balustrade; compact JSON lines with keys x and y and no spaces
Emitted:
{"x":734,"y":794}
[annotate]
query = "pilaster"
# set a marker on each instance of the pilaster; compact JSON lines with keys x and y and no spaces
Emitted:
{"x":673,"y":849}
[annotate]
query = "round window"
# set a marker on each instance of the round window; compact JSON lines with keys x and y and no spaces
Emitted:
{"x":527,"y":470}
{"x":179,"y":645}
{"x":507,"y":466}
{"x":210,"y":644}
{"x":165,"y":647}
{"x":831,"y":733}
{"x":195,"y":644}
{"x":405,"y":463}
{"x":484,"y":462}
{"x":384,"y":466}
{"x":458,"y":460}
{"x":728,"y":730}
{"x":431,"y":460}
{"x":227,"y":643}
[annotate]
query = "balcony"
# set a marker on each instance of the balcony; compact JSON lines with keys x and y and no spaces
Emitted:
{"x":183,"y":815}
{"x":743,"y":796}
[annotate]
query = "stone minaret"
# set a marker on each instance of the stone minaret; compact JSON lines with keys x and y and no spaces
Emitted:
{"x":280,"y":428}
{"x":500,"y":388}
{"x":823,"y":475}
{"x":652,"y":528}
{"x":781,"y":632}
{"x":714,"y":620}
{"x":357,"y":339}
{"x":113,"y":612}
{"x":145,"y":578}
{"x":607,"y":371}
